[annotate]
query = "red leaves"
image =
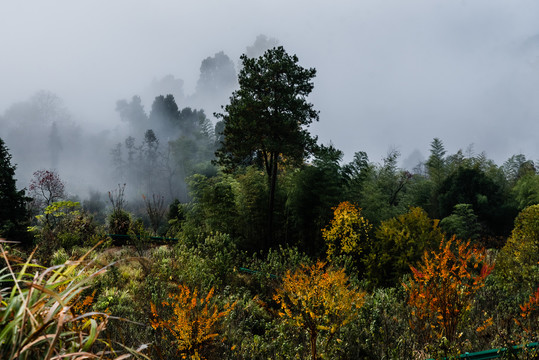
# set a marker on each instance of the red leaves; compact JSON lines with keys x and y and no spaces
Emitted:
{"x":531,"y":306}
{"x":47,"y":186}
{"x":417,"y":273}
{"x":486,"y":270}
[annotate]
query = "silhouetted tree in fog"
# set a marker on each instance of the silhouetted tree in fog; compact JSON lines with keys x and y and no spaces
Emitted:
{"x":164,"y":115}
{"x":149,"y":158}
{"x":217,"y":73}
{"x":261,"y":45}
{"x":133,"y":113}
{"x":41,"y":131}
{"x":55,"y":145}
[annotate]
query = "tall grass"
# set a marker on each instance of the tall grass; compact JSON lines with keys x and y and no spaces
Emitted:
{"x":37,"y":318}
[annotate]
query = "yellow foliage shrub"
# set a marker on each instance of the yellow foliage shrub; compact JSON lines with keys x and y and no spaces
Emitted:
{"x":318,"y":300}
{"x":347,"y":232}
{"x":193,"y":322}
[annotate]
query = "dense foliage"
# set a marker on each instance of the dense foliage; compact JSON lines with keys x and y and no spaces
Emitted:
{"x":366,"y":260}
{"x":267,"y":117}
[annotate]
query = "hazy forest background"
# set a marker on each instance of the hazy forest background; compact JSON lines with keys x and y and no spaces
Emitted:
{"x":215,"y":225}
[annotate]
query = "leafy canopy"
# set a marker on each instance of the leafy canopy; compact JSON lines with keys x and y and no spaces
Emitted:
{"x":265,"y":122}
{"x":267,"y":115}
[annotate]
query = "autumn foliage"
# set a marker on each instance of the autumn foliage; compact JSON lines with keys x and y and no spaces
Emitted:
{"x":193,"y":322}
{"x":347,"y":232}
{"x":529,"y":316}
{"x":318,"y":300}
{"x":442,"y":288}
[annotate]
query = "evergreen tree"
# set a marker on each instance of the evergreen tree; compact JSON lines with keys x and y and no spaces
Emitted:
{"x":164,"y":116}
{"x":436,"y":170}
{"x":265,"y":122}
{"x":13,"y":212}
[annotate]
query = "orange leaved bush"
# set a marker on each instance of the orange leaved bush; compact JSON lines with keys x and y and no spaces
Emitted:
{"x":318,"y":300}
{"x":530,"y":314}
{"x":193,"y":323}
{"x":443,"y":286}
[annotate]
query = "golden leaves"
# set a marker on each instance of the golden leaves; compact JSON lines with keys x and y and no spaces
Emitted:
{"x":318,"y":299}
{"x":193,"y":321}
{"x":488,"y":322}
{"x":347,"y":231}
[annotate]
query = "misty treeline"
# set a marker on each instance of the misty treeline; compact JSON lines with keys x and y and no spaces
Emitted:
{"x":278,"y":247}
{"x":154,"y":166}
{"x":43,"y":133}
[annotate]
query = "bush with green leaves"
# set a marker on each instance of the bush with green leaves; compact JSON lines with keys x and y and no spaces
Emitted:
{"x":119,"y":222}
{"x":400,"y":242}
{"x":462,"y":223}
{"x":139,"y":237}
{"x":251,"y":331}
{"x":518,"y":261}
{"x":262,"y":271}
{"x":382,"y":330}
{"x":214,"y":206}
{"x":64,"y":224}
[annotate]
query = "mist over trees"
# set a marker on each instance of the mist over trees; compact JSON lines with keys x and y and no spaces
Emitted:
{"x":161,"y":145}
{"x":46,"y":135}
{"x":40,"y":127}
{"x":174,"y":143}
{"x":302,"y":249}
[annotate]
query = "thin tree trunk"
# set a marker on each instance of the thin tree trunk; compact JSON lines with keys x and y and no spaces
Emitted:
{"x":313,"y":345}
{"x":272,"y":183}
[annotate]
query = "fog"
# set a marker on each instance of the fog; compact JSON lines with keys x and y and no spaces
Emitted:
{"x":391,"y":74}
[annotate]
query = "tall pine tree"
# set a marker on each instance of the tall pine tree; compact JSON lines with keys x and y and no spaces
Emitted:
{"x":13,"y":212}
{"x":267,"y":118}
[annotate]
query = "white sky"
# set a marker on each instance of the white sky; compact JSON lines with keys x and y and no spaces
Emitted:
{"x":391,"y":73}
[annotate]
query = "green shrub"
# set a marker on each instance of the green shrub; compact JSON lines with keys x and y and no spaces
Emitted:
{"x":400,"y":242}
{"x":119,"y":222}
{"x":64,"y":225}
{"x":517,"y":263}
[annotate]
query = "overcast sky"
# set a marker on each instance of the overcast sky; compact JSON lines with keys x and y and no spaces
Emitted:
{"x":391,"y":73}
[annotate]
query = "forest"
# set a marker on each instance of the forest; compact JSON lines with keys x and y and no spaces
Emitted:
{"x":248,"y":239}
